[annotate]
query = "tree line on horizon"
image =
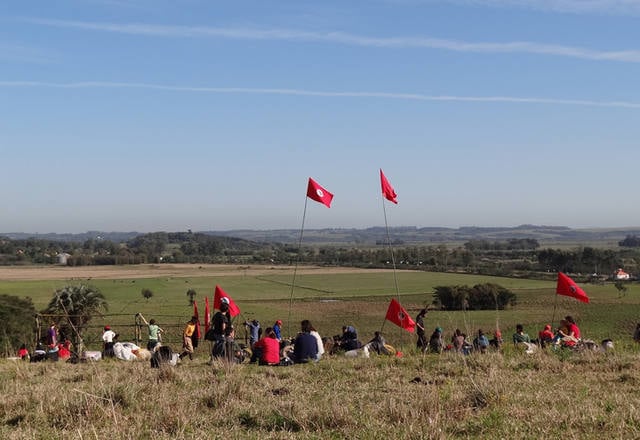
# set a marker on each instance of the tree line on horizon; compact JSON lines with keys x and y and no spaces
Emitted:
{"x":509,"y":257}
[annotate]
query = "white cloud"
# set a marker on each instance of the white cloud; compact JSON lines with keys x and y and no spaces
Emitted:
{"x":326,"y":94}
{"x":629,"y":56}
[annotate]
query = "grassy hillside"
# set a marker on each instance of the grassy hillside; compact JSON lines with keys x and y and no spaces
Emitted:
{"x":508,"y":394}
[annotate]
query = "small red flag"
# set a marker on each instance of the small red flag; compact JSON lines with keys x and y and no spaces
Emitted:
{"x":566,"y":286}
{"x":195,"y":313}
{"x":207,"y":315}
{"x":217,"y":300}
{"x":399,"y":316}
{"x":387,"y":190}
{"x":318,"y":193}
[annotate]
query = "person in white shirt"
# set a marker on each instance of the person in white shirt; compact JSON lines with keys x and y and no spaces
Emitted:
{"x":108,"y":336}
{"x":316,"y":335}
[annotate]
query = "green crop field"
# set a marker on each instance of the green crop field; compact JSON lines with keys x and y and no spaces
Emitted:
{"x":332,"y":299}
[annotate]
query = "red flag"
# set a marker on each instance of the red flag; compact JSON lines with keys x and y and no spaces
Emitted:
{"x":195,"y":313}
{"x":387,"y":190}
{"x":318,"y":193}
{"x":399,"y":316}
{"x":217,"y":300}
{"x":207,"y":315}
{"x":566,"y":286}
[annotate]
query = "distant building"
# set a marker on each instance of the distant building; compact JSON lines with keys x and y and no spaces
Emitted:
{"x":62,"y":258}
{"x":621,"y":275}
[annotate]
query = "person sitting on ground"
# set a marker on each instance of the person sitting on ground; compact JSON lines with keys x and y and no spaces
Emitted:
{"x":23,"y":353}
{"x":481,"y":343}
{"x":154,"y":333}
{"x":267,"y":349}
{"x":522,"y":339}
{"x":377,"y":344}
{"x":545,"y":337}
{"x":305,"y":347}
{"x":64,"y":350}
{"x":349,"y":339}
{"x":458,"y":340}
{"x":520,"y":336}
{"x":496,"y":342}
{"x":316,"y":335}
{"x":40,"y":353}
{"x":234,"y":353}
{"x":572,"y":335}
{"x":436,"y":342}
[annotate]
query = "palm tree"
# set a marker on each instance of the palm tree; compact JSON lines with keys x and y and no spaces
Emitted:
{"x":72,"y":307}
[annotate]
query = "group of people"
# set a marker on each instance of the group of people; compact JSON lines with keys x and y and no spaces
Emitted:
{"x":566,"y":335}
{"x":268,"y":347}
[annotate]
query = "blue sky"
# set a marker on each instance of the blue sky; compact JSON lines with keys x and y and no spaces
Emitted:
{"x":151,"y":115}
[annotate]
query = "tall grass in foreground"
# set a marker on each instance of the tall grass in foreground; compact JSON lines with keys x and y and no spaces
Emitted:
{"x":496,"y":395}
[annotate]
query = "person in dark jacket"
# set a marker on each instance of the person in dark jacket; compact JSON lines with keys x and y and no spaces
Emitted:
{"x":305,"y":347}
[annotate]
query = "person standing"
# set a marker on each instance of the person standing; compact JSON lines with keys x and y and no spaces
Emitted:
{"x":220,"y":324}
{"x":52,"y":335}
{"x":108,"y":336}
{"x":154,"y":333}
{"x":422,"y":340}
{"x":187,"y":342}
{"x":254,"y":331}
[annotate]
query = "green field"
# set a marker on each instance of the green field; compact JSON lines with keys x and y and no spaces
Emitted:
{"x":331,"y":300}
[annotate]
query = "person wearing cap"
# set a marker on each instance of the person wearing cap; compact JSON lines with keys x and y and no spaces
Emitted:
{"x":422,"y":340}
{"x":277,"y":327}
{"x":545,"y":336}
{"x":436,"y":342}
{"x":108,"y":336}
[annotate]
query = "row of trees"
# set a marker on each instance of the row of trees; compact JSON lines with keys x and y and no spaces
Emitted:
{"x":477,"y":256}
{"x":486,"y":296}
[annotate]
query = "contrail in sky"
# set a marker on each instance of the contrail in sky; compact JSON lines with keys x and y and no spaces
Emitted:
{"x":328,"y":94}
{"x":344,"y":38}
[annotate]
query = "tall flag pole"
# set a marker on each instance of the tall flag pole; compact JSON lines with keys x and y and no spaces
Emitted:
{"x":389,"y":193}
{"x":321,"y":195}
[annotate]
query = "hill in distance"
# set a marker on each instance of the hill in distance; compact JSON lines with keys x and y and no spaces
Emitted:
{"x":407,"y":235}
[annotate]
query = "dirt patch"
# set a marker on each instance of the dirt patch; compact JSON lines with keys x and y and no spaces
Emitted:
{"x":21,"y":273}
